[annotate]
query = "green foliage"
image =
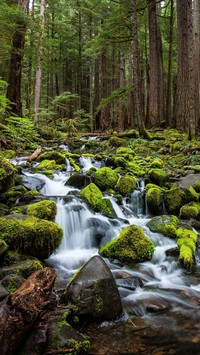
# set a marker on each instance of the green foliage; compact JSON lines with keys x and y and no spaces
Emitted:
{"x":4,"y":102}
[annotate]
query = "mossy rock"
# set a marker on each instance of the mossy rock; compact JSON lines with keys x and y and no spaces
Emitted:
{"x":131,"y":246}
{"x":155,"y":201}
{"x":30,"y":235}
{"x":191,"y":210}
{"x":56,"y":156}
{"x":126,"y":185}
{"x":62,"y":336}
{"x":9,"y":154}
{"x":191,"y":194}
{"x":196,"y":186}
{"x":105,"y":178}
{"x":13,"y":194}
{"x":126,"y":152}
{"x":150,"y":186}
{"x":49,"y":165}
{"x":7,"y":174}
{"x":12,"y":282}
{"x":3,"y":247}
{"x":187,"y":240}
{"x":45,"y":209}
{"x":158,"y":176}
{"x":23,"y":268}
{"x":104,"y":206}
{"x":74,"y":165}
{"x":134,"y":168}
{"x":91,"y":194}
{"x":157,"y":163}
{"x":166,"y":225}
{"x":116,"y":141}
{"x":120,"y":162}
{"x":174,"y":199}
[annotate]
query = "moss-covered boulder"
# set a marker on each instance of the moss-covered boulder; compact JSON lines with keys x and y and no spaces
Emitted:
{"x":174,"y":199}
{"x":94,"y":292}
{"x":104,"y":206}
{"x":47,"y":165}
{"x":91,"y":194}
{"x":191,"y":210}
{"x":157,"y":176}
{"x":134,"y":168}
{"x":196,"y":186}
{"x":45,"y":209}
{"x":126,"y":185}
{"x":125,"y":152}
{"x":155,"y":200}
{"x":12,"y":282}
{"x":52,"y":155}
{"x":7,"y":174}
{"x":166,"y":225}
{"x":78,"y":180}
{"x":131,"y":246}
{"x":116,"y":141}
{"x":105,"y":178}
{"x":31,"y":235}
{"x":23,"y":268}
{"x":186,"y":242}
{"x":157,"y":163}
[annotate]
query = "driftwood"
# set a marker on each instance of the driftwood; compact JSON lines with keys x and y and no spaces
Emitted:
{"x":35,"y":154}
{"x":19,"y":310}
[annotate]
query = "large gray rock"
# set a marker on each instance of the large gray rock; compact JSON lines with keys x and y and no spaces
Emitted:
{"x":94,"y":292}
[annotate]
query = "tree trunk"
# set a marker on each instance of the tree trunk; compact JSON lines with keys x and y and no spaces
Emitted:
{"x":38,"y":82}
{"x":183,"y":65}
{"x":122,"y":108}
{"x":96,"y":92}
{"x":169,"y":110}
{"x":103,"y":89}
{"x":15,"y":67}
{"x":21,"y":309}
{"x":156,"y":93}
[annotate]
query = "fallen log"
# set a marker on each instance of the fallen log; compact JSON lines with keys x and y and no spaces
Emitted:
{"x":35,"y":154}
{"x":19,"y":310}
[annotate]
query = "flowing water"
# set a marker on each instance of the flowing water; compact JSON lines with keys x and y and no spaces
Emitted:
{"x":159,"y":292}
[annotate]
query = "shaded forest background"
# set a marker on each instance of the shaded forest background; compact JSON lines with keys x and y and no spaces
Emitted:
{"x":99,"y":65}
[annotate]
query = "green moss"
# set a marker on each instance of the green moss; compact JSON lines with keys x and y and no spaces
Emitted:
{"x":191,"y":194}
{"x":189,"y":211}
{"x":7,"y":174}
{"x":45,"y":209}
{"x":150,"y":186}
{"x":186,"y":242}
{"x":105,"y":178}
{"x":3,"y":247}
{"x":155,"y":200}
{"x":91,"y":194}
{"x":74,"y":165}
{"x":158,"y":176}
{"x":47,"y":165}
{"x":116,"y":141}
{"x":197,"y":186}
{"x":126,"y":152}
{"x":131,"y":246}
{"x":166,"y":225}
{"x":53,"y":155}
{"x":174,"y":199}
{"x":104,"y":206}
{"x":157,"y":163}
{"x":31,"y":236}
{"x":135,"y":169}
{"x":9,"y":154}
{"x":120,"y":162}
{"x":126,"y":185}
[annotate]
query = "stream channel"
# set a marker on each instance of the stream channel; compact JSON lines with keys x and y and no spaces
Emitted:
{"x":161,"y":301}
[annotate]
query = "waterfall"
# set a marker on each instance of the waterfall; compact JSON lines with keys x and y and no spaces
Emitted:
{"x":160,"y":284}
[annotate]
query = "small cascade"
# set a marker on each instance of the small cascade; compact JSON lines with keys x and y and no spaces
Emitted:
{"x":87,"y":162}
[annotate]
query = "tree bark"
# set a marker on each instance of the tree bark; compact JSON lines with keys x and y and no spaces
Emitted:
{"x":103,"y":89}
{"x":156,"y":91}
{"x":38,"y":82}
{"x":21,"y":309}
{"x":169,"y":110}
{"x":15,"y":67}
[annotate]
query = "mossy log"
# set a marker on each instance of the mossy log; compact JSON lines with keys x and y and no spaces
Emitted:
{"x":19,"y":310}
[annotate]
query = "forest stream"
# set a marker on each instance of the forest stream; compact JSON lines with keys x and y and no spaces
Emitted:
{"x":161,"y":301}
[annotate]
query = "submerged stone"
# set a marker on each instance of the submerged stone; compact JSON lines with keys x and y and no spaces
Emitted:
{"x":94,"y":292}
